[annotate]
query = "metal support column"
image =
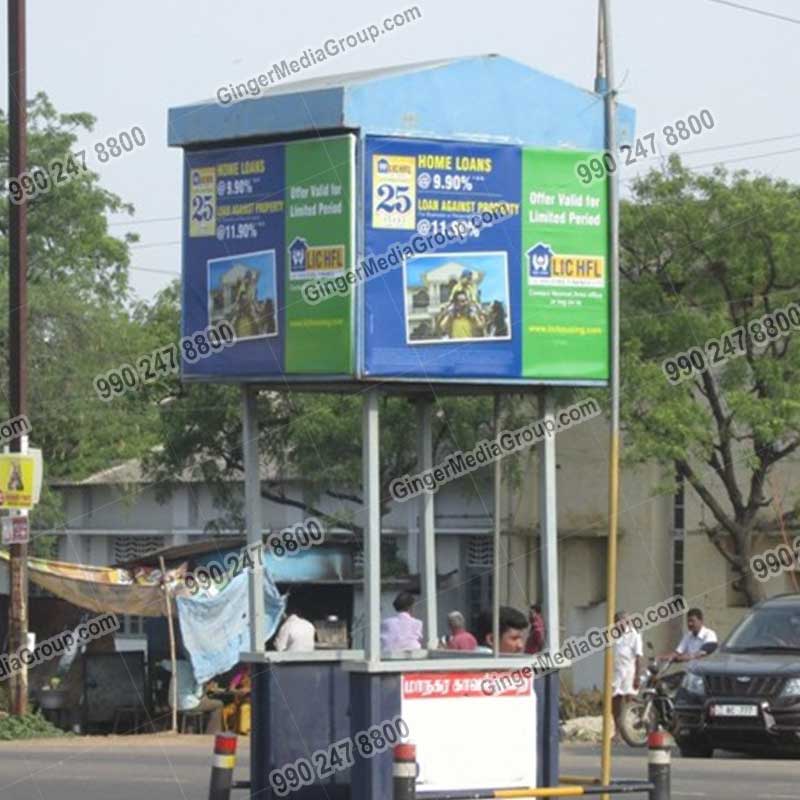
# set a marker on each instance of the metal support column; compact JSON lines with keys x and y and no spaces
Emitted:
{"x":496,"y":515}
{"x":548,"y":522}
{"x":426,"y":526}
{"x":370,"y":443}
{"x":548,"y":562}
{"x":252,"y":512}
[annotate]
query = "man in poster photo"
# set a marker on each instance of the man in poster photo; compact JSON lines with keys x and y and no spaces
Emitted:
{"x":462,"y":319}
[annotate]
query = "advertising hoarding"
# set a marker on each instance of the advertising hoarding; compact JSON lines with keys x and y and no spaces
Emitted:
{"x":492,"y":262}
{"x":523,"y":297}
{"x":260,"y":221}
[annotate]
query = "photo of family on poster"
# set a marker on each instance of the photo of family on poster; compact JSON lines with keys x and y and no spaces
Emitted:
{"x":459,"y":297}
{"x":243,"y":291}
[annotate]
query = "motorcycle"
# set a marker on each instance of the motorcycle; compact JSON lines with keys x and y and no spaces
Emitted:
{"x":654,"y":705}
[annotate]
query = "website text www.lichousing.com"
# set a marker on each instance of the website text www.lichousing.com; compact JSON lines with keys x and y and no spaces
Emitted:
{"x":458,"y":464}
{"x":311,"y":56}
{"x":459,"y":230}
{"x":57,"y":645}
{"x":595,"y":640}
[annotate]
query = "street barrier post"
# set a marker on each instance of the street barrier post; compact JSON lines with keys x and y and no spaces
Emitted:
{"x":222,"y":766}
{"x":659,"y":757}
{"x":404,"y":772}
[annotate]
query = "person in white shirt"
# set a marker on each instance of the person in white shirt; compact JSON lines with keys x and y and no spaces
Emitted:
{"x":690,"y":646}
{"x":628,"y":652}
{"x":296,"y":633}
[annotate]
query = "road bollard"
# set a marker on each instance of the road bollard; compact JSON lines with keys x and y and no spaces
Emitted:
{"x":222,"y":766}
{"x":404,"y":772}
{"x":659,"y":758}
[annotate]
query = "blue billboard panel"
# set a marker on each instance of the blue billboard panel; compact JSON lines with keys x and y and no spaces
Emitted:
{"x":233,"y":257}
{"x":451,"y":308}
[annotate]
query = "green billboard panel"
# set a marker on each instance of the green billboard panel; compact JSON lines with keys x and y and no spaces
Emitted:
{"x":564,"y":269}
{"x":319,"y":244}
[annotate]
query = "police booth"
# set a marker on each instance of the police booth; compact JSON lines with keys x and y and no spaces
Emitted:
{"x":421,"y":231}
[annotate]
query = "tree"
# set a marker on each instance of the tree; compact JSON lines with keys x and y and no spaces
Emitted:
{"x":79,"y":323}
{"x":702,"y":255}
{"x":314,"y":436}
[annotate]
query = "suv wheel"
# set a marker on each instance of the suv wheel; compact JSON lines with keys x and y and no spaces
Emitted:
{"x":694,"y":749}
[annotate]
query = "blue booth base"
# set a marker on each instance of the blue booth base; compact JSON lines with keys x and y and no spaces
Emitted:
{"x":299,"y":707}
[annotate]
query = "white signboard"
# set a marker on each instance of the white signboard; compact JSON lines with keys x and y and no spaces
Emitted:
{"x":473,"y":730}
{"x":15,"y":530}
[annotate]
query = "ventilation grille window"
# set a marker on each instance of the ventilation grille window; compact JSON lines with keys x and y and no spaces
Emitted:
{"x":479,"y":551}
{"x":127,"y":548}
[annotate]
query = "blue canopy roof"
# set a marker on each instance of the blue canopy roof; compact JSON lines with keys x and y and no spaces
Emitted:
{"x":487,"y":98}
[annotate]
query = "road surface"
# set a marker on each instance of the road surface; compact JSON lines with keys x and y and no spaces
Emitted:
{"x":167,"y":767}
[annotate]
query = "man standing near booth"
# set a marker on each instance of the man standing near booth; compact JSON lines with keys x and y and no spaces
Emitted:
{"x":512,"y":631}
{"x":460,"y":638}
{"x":296,"y":633}
{"x":628,"y":652}
{"x":402,"y":631}
{"x":536,"y":636}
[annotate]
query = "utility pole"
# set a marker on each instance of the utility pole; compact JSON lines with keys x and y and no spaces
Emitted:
{"x":604,"y":84}
{"x":18,"y":323}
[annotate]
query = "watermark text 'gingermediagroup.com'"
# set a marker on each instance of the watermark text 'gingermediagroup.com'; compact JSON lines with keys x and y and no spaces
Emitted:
{"x":311,"y":56}
{"x":488,"y":451}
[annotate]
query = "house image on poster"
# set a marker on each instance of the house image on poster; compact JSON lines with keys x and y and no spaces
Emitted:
{"x":426,"y":299}
{"x":222,"y":298}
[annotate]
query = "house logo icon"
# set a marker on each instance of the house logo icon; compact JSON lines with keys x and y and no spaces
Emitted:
{"x":298,"y":252}
{"x":383,"y":166}
{"x":540,"y":260}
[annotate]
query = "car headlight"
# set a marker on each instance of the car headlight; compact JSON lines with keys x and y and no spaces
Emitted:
{"x":791,"y":688}
{"x":693,"y":684}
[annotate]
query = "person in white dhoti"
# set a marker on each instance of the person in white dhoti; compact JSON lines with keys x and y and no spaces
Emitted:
{"x":628,"y":654}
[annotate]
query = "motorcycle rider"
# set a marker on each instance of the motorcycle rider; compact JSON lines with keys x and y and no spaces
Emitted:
{"x":691,"y":645}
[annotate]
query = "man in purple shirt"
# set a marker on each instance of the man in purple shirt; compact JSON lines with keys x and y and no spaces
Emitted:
{"x":402,"y":632}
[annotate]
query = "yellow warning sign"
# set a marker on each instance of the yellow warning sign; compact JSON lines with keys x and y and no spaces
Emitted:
{"x":17,"y":480}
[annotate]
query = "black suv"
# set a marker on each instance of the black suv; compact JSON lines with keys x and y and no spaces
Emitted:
{"x":747,"y":694}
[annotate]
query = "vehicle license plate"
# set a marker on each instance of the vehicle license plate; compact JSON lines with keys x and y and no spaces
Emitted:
{"x":734,"y":711}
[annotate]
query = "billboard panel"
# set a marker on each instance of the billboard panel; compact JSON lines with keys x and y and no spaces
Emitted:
{"x":478,"y":262}
{"x":523,"y":297}
{"x":259,"y":222}
{"x":564,"y":269}
{"x":451,"y":309}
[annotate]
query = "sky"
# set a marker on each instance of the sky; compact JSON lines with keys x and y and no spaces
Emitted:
{"x":128,"y":63}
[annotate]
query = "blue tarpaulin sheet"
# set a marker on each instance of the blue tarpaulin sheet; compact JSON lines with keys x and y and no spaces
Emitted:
{"x":216,"y":628}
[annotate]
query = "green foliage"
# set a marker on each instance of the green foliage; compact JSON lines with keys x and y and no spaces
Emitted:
{"x":701,"y":255}
{"x":30,"y":726}
{"x":311,"y":438}
{"x":79,"y":324}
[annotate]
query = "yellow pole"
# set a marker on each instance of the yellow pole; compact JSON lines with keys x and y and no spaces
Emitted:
{"x":611,"y":592}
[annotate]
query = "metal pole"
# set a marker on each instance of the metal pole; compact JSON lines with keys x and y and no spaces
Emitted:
{"x":370,"y":432}
{"x":404,"y":772}
{"x":498,"y":480}
{"x":252,"y":512}
{"x":607,"y":83}
{"x":172,"y":656}
{"x":18,"y":321}
{"x":659,"y":756}
{"x":427,"y":526}
{"x":221,"y":783}
{"x":548,"y":524}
